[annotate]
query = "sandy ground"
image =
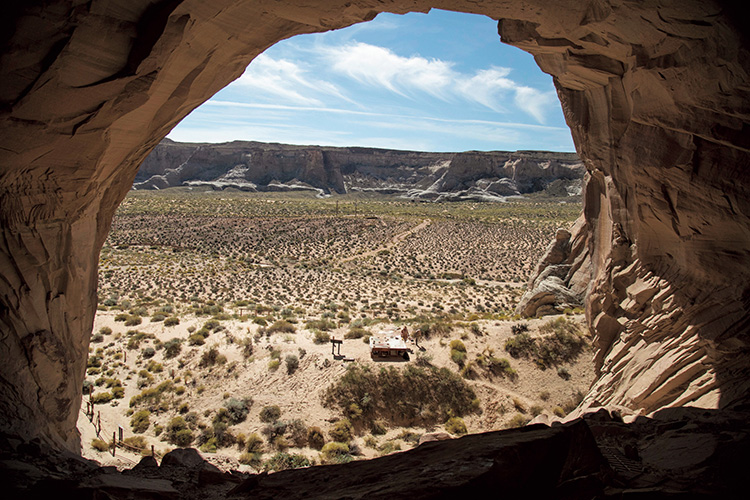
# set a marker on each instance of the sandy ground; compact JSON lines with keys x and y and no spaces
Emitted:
{"x":299,"y":395}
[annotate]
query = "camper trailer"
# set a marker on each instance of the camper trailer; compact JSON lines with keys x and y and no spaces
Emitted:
{"x":384,"y":345}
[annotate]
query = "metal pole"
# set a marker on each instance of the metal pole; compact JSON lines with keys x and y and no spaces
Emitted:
{"x":114,"y":442}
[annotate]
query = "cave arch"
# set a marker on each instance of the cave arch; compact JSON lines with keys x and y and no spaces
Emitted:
{"x":655,"y":94}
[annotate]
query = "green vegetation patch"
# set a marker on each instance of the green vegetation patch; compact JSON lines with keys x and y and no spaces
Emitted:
{"x":414,"y":396}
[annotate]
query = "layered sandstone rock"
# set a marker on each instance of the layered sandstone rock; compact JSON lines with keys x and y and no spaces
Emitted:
{"x":256,"y":166}
{"x":562,"y":277}
{"x":655,"y":93}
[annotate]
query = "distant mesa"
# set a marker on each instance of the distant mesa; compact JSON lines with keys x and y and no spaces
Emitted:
{"x":257,"y":166}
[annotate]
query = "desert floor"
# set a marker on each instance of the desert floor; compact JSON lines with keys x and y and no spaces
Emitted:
{"x":209,"y":300}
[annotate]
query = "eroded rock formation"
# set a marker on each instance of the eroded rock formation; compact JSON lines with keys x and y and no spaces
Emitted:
{"x":562,"y":277}
{"x":655,"y":93}
{"x":256,"y":166}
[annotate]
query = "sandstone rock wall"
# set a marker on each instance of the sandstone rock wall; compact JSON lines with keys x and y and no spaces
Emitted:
{"x":255,"y":166}
{"x":655,"y":93}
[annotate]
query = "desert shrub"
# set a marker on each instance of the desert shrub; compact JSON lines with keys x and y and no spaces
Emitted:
{"x":157,"y":317}
{"x":558,"y":411}
{"x":148,"y":352}
{"x":371,"y":442}
{"x":172,"y":321}
{"x":518,"y":420}
{"x":356,"y":332}
{"x":254,"y":443}
{"x":212,"y":357}
{"x":152,"y":395}
{"x":408,"y":397}
{"x":237,"y":409}
{"x":118,"y":392}
{"x":274,"y":364}
{"x":458,"y":352}
{"x":282,"y":326}
{"x":252,"y":459}
{"x":519,"y":328}
{"x":562,"y":341}
{"x":154,"y":367}
{"x":563,"y":373}
{"x":178,"y":432}
{"x":379,"y":427}
{"x":535,"y":410}
{"x":99,"y":398}
{"x":522,"y":345}
{"x":281,"y":443}
{"x":121,"y":317}
{"x":133,"y":320}
{"x":389,"y":447}
{"x":315,"y":438}
{"x":270,"y":413}
{"x":496,"y":366}
{"x":105,"y":330}
{"x":342,"y":431}
{"x":196,"y":339}
{"x":336,"y":452}
{"x":284,"y":461}
{"x":172,"y":348}
{"x":455,"y":425}
{"x":321,"y":337}
{"x":247,"y":347}
{"x":292,"y":363}
{"x":458,"y":357}
{"x":320,"y":324}
{"x":97,"y":337}
{"x":136,"y":442}
{"x":100,"y":445}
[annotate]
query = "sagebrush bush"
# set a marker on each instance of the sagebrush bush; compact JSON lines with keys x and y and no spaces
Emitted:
{"x":456,"y":426}
{"x":335,"y":452}
{"x":408,"y":397}
{"x":284,"y":461}
{"x":282,"y":326}
{"x":172,"y":348}
{"x":237,"y":409}
{"x":292,"y":363}
{"x":270,"y":413}
{"x":342,"y":431}
{"x":178,"y":432}
{"x":254,"y":443}
{"x":518,"y":420}
{"x":172,"y":321}
{"x":315,"y":438}
{"x":321,"y":337}
{"x":100,"y":445}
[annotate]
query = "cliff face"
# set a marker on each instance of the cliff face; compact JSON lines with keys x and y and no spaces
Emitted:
{"x":254,"y":166}
{"x":655,"y":93}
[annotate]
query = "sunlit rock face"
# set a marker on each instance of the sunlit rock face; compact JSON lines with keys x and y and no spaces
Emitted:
{"x":655,"y":93}
{"x":257,"y":166}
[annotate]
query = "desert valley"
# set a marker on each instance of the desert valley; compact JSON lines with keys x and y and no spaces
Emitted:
{"x":217,"y":308}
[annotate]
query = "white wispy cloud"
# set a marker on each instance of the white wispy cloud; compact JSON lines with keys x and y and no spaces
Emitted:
{"x":288,"y":80}
{"x":379,"y":66}
{"x":491,"y":87}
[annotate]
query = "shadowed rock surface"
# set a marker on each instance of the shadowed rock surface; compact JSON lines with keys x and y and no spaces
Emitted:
{"x":256,"y":166}
{"x":655,"y":93}
{"x":677,"y":454}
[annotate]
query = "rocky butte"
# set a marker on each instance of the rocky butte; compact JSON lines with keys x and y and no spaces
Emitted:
{"x":656,"y":96}
{"x":256,"y":166}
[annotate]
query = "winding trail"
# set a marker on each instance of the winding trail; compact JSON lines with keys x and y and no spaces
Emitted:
{"x":390,"y":244}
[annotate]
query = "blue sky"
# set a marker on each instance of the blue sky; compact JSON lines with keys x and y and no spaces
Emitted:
{"x":441,"y":81}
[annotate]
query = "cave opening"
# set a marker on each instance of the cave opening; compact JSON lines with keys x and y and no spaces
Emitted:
{"x":655,"y":96}
{"x":177,"y":284}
